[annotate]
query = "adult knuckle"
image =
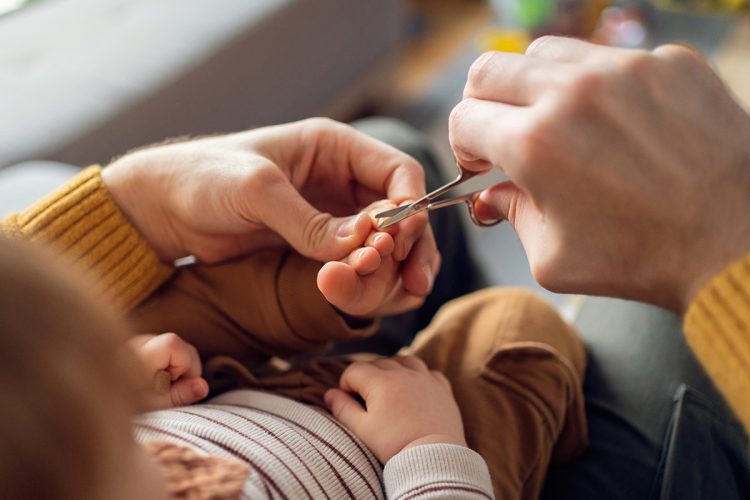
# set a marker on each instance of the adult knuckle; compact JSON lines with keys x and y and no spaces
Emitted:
{"x":680,"y":54}
{"x":531,"y":144}
{"x":458,"y":113}
{"x":540,"y":45}
{"x":639,"y":63}
{"x":479,"y":71}
{"x":412,"y":168}
{"x":246,"y":197}
{"x":261,"y":177}
{"x":582,"y":90}
{"x":544,"y":275}
{"x":549,"y":265}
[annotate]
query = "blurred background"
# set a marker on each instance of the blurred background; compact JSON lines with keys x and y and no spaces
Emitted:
{"x":82,"y":81}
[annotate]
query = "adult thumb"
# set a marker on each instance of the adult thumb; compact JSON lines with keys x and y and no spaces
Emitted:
{"x":314,"y":234}
{"x":508,"y":201}
{"x":501,"y":201}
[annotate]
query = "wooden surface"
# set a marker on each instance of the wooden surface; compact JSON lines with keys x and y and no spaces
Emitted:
{"x":447,"y":27}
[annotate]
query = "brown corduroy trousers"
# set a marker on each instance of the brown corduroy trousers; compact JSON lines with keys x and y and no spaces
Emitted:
{"x":516,"y":369}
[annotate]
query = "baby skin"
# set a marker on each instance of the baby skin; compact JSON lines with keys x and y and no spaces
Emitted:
{"x":366,"y":284}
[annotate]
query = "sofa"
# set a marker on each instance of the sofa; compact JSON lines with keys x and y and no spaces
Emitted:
{"x":82,"y":81}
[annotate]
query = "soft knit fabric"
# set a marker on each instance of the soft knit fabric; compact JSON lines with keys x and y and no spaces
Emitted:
{"x":194,"y":476}
{"x":295,"y":451}
{"x":717,"y":327}
{"x":81,"y":221}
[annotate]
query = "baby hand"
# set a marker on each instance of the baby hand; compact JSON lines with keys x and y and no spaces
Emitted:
{"x":370,"y":282}
{"x":406,"y":405}
{"x":173,"y":368}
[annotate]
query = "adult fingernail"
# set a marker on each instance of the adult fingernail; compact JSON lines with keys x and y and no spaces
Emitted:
{"x":347,"y":228}
{"x":467,"y":156}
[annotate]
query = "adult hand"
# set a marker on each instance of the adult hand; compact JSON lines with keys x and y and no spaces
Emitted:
{"x":220,"y":197}
{"x":369,"y":282}
{"x":407,"y":405}
{"x":630,"y":170}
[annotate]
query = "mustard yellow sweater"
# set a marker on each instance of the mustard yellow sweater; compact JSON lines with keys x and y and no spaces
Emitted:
{"x":82,"y":221}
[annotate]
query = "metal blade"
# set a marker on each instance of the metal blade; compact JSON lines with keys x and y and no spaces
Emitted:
{"x":392,"y":212}
{"x":403,"y":214}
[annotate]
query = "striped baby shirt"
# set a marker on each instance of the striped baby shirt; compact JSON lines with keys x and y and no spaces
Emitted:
{"x":298,"y":451}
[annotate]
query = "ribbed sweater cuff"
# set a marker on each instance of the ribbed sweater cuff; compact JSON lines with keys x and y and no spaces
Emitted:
{"x":717,"y":327}
{"x":81,"y":221}
{"x":424,"y":470}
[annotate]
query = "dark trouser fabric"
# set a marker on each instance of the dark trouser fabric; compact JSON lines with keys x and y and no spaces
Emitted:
{"x":658,"y":429}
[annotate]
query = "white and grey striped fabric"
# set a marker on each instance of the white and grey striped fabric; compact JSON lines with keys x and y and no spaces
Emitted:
{"x":297,"y":451}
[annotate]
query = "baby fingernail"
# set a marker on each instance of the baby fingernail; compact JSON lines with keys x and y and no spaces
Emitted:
{"x":198,"y":390}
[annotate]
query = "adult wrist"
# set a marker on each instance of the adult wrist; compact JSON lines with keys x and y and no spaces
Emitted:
{"x":123,"y":180}
{"x":707,"y":273}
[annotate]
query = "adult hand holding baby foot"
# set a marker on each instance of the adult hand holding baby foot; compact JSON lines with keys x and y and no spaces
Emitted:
{"x":298,"y":184}
{"x":371,"y":282}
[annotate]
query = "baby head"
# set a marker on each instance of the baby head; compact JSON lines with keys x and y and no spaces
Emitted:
{"x":67,"y":389}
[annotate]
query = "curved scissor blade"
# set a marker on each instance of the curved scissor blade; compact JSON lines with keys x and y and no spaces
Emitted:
{"x":398,"y":215}
{"x":392,"y":212}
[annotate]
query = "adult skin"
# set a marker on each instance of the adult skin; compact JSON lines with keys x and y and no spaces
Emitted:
{"x":629,"y":170}
{"x":220,"y":197}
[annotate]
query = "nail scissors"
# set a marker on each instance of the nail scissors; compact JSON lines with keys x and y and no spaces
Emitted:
{"x":429,"y":202}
